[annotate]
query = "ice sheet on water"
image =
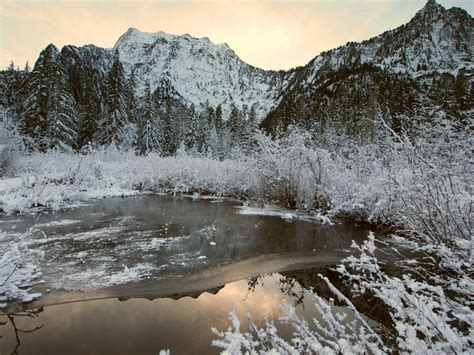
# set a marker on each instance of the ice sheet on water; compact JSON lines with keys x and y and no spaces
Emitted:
{"x":135,"y":273}
{"x":266,"y":211}
{"x":159,"y":243}
{"x":187,"y":259}
{"x":104,"y":274}
{"x":105,"y":232}
{"x":62,"y":222}
{"x":286,"y":214}
{"x":17,"y":277}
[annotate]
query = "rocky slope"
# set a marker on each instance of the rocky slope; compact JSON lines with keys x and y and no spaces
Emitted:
{"x":199,"y":71}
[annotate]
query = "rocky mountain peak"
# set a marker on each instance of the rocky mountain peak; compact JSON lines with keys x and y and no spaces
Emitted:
{"x":197,"y":70}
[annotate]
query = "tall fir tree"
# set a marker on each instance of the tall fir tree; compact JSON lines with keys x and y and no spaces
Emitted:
{"x":114,"y":117}
{"x":49,"y":113}
{"x":248,"y":129}
{"x":191,"y":129}
{"x":63,"y":117}
{"x":10,"y":81}
{"x":169,"y":132}
{"x":149,"y":131}
{"x":132,"y":102}
{"x":211,"y":116}
{"x":219,"y":119}
{"x":235,"y":124}
{"x":91,"y":112}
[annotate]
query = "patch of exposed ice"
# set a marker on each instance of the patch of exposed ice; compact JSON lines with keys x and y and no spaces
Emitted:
{"x":187,"y":259}
{"x":17,"y":277}
{"x":208,"y":231}
{"x":97,"y":233}
{"x":81,"y":254}
{"x":287,"y":215}
{"x":163,"y":242}
{"x":272,"y":211}
{"x":104,"y":275}
{"x":63,"y":222}
{"x":212,"y":198}
{"x":135,"y":273}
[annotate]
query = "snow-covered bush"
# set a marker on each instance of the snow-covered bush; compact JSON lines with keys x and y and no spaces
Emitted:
{"x":429,"y":314}
{"x":108,"y":172}
{"x":11,"y":145}
{"x":291,"y":170}
{"x":335,"y":334}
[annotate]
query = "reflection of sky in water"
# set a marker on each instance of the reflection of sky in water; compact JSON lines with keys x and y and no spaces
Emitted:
{"x":142,"y":326}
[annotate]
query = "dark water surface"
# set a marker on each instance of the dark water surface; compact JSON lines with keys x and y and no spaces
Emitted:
{"x":141,"y":326}
{"x":117,"y":252}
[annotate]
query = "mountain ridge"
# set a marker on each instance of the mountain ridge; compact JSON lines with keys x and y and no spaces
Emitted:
{"x":423,"y":67}
{"x":187,"y":61}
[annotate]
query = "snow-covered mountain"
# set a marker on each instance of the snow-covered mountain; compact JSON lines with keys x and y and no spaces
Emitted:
{"x":199,"y":71}
{"x":418,"y":61}
{"x":435,"y":39}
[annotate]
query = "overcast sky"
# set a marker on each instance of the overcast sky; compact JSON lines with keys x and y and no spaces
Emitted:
{"x":266,"y":34}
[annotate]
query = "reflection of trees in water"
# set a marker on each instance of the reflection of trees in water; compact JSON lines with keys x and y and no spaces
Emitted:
{"x":287,"y":285}
{"x":10,"y":320}
{"x":290,"y":287}
{"x":294,"y":284}
{"x":252,"y":284}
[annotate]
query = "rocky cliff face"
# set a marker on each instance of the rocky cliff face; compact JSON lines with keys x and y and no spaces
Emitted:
{"x":199,"y":71}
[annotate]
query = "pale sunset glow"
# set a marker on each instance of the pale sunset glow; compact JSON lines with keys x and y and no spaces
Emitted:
{"x":266,"y":34}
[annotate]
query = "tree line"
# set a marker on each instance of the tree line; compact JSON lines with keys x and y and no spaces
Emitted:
{"x":51,"y":114}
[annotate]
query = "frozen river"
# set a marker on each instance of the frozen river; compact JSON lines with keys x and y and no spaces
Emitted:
{"x":94,"y":257}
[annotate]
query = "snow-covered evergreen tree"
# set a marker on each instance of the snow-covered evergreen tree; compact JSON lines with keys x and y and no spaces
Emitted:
{"x":62,"y":114}
{"x":168,"y":132}
{"x":219,"y":119}
{"x":248,"y":129}
{"x":192,"y":129}
{"x":235,"y":125}
{"x":213,"y":145}
{"x":35,"y":107}
{"x":114,"y":116}
{"x":9,"y":84}
{"x":149,"y":131}
{"x":132,"y":102}
{"x":49,"y":114}
{"x":90,"y":115}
